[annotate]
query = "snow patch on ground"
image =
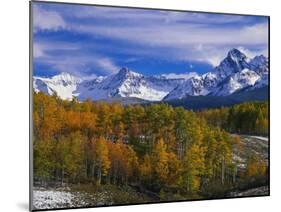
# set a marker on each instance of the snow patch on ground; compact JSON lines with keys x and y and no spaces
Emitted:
{"x":54,"y":198}
{"x":240,"y":161}
{"x":260,"y":138}
{"x":47,"y":199}
{"x":261,"y":191}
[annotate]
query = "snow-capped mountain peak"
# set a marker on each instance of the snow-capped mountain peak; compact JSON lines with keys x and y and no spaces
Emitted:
{"x":236,"y":55}
{"x":259,"y":60}
{"x":234,"y":62}
{"x":235,"y":73}
{"x":127,"y":73}
{"x":259,"y":64}
{"x":66,"y":78}
{"x":127,"y":83}
{"x":63,"y":84}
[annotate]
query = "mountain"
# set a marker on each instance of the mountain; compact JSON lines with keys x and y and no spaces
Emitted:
{"x":64,"y":85}
{"x":203,"y":102}
{"x":124,"y":84}
{"x":127,"y":83}
{"x":235,"y":74}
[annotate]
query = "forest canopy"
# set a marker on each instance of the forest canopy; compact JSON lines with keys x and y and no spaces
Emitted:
{"x":156,"y":147}
{"x":246,"y":118}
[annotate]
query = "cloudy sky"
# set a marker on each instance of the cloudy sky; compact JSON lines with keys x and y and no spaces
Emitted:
{"x":90,"y":40}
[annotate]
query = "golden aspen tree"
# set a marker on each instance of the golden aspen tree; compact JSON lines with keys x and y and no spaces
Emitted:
{"x":193,"y":168}
{"x":101,"y":158}
{"x":146,"y":167}
{"x":160,"y":160}
{"x":174,"y":167}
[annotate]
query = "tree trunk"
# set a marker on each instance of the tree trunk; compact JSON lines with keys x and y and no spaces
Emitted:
{"x":93,"y":172}
{"x":222,"y":171}
{"x":234,"y":174}
{"x":99,"y":175}
{"x":62,"y":175}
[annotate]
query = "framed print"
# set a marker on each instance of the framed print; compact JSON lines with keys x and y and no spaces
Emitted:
{"x":137,"y":105}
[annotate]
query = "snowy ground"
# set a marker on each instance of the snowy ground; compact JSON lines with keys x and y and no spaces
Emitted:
{"x":65,"y":198}
{"x":44,"y":199}
{"x":261,"y":191}
{"x":251,"y":145}
{"x":86,"y":195}
{"x":260,"y":138}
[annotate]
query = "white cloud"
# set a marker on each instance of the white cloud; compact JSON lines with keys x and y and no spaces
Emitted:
{"x":183,"y":42}
{"x":213,"y":54}
{"x":213,"y":60}
{"x":107,"y":65}
{"x":162,"y":34}
{"x":180,"y":76}
{"x":80,"y":65}
{"x":38,"y":50}
{"x":177,"y":35}
{"x":89,"y":77}
{"x":74,"y":61}
{"x":150,"y":17}
{"x":47,"y":20}
{"x":210,"y":54}
{"x":255,"y":34}
{"x":252,"y":53}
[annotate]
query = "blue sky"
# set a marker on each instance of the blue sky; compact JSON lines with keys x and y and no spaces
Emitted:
{"x":91,"y":41}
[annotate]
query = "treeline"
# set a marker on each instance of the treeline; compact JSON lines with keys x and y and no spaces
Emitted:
{"x":153,"y":146}
{"x":245,"y":118}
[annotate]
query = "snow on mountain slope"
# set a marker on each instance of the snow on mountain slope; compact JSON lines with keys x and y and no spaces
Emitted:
{"x":236,"y":82}
{"x":63,"y":85}
{"x":235,"y":61}
{"x":234,"y":73}
{"x":259,"y":64}
{"x":127,"y":83}
{"x":192,"y":87}
{"x":124,"y":84}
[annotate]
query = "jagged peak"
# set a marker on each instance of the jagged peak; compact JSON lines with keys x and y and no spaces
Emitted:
{"x":235,"y":53}
{"x":65,"y":76}
{"x":126,"y":72}
{"x":261,"y":58}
